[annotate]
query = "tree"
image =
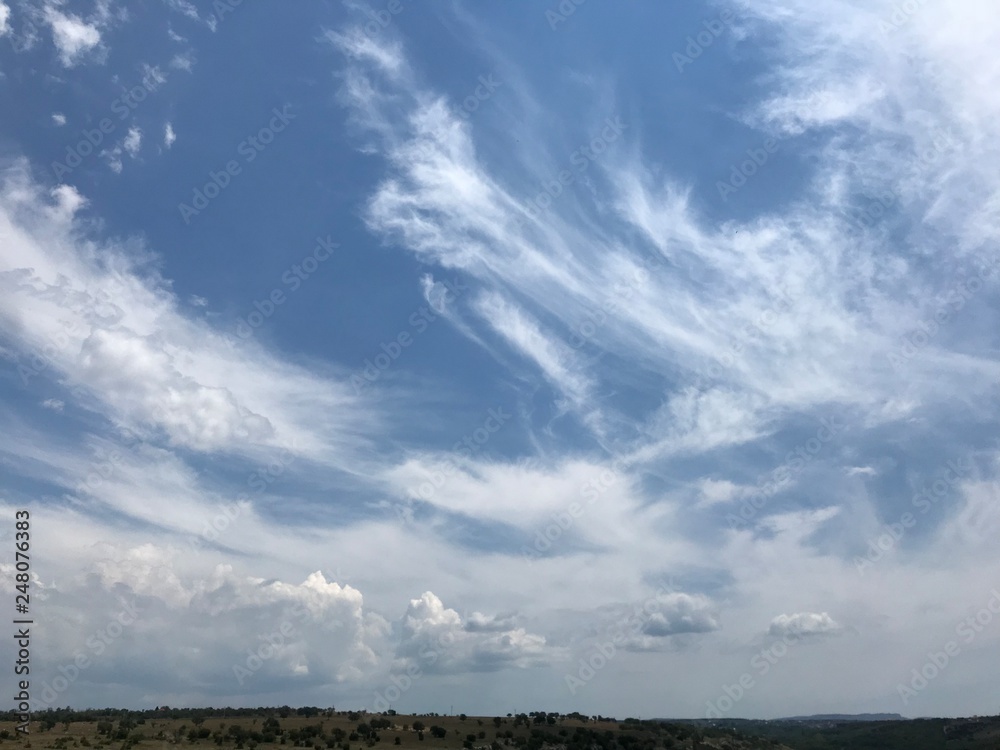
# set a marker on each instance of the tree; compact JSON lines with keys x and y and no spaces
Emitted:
{"x":418,"y":725}
{"x":271,"y":725}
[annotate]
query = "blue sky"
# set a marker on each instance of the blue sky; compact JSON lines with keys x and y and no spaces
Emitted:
{"x":605,"y":356}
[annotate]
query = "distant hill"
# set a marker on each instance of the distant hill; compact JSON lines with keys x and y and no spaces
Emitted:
{"x":846,"y":717}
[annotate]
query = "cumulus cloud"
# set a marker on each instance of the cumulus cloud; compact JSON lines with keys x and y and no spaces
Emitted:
{"x":177,"y":628}
{"x":73,"y":37}
{"x":681,"y":613}
{"x":803,"y":625}
{"x":168,"y":135}
{"x":477,"y":622}
{"x":4,"y":19}
{"x":58,"y":118}
{"x":133,"y":141}
{"x":435,"y":639}
{"x":732,"y":336}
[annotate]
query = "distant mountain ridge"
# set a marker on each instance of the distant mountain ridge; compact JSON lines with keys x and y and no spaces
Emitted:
{"x":845,"y":717}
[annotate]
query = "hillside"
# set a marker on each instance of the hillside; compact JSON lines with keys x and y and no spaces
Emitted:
{"x":327,"y":729}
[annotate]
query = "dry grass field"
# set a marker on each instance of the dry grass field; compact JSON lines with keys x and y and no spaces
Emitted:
{"x":354,"y":731}
{"x":267,"y":729}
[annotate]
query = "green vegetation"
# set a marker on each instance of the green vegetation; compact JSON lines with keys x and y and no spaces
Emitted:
{"x":327,"y":729}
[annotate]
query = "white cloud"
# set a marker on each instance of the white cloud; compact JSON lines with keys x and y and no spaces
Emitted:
{"x":128,"y":347}
{"x":184,"y":8}
{"x":179,"y":628}
{"x":183,"y":61}
{"x":73,"y":37}
{"x":169,"y":136}
{"x":435,"y":639}
{"x":133,"y":141}
{"x":783,"y":291}
{"x":4,"y":19}
{"x":360,"y":46}
{"x":114,"y":159}
{"x":477,"y":622}
{"x":737,"y":337}
{"x":557,"y":361}
{"x":680,"y":613}
{"x":59,"y":119}
{"x":54,"y":404}
{"x":803,"y":624}
{"x":67,"y":202}
{"x":717,"y":491}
